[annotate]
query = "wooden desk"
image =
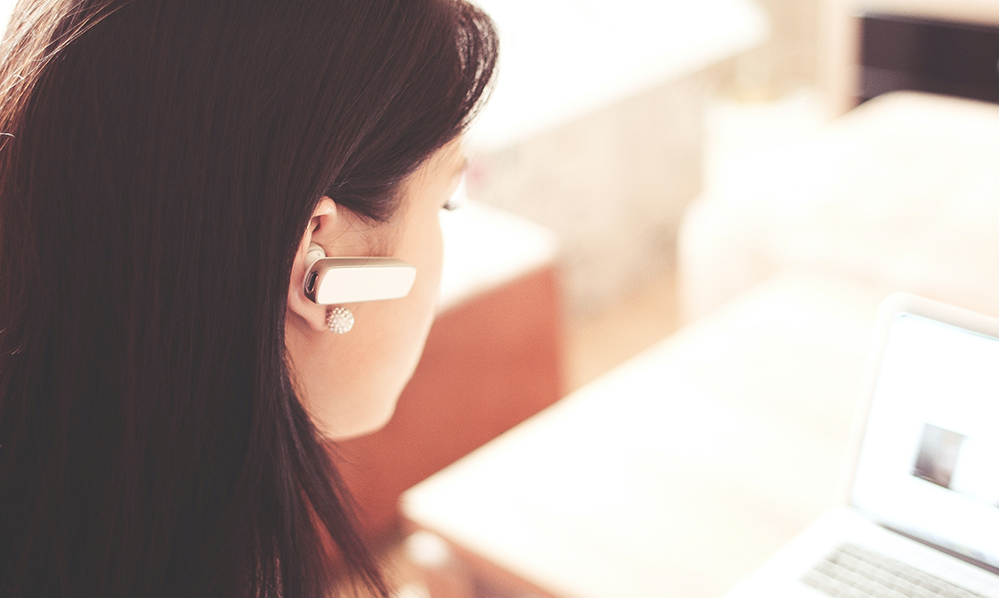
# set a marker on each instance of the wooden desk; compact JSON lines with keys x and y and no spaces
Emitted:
{"x":680,"y":472}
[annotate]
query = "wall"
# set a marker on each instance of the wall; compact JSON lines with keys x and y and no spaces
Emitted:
{"x":612,"y":185}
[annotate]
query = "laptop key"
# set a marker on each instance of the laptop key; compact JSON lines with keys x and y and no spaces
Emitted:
{"x":852,"y":571}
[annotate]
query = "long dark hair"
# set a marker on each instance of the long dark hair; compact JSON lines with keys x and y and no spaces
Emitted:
{"x":159,"y":163}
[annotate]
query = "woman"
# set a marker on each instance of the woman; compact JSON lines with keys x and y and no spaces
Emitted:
{"x":168,"y":169}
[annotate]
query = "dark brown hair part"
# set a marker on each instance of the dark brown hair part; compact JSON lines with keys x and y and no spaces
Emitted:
{"x":159,"y":161}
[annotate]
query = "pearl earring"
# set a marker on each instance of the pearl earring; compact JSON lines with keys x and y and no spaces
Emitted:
{"x":339,"y":320}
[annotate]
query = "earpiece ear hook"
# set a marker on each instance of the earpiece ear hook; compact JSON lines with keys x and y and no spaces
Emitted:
{"x":316,"y":252}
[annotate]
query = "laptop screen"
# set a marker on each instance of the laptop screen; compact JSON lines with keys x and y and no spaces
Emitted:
{"x":929,"y":463}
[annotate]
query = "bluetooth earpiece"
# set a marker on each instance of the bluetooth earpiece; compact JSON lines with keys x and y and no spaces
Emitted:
{"x":337,"y":280}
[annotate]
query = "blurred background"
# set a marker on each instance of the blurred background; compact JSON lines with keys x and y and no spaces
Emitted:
{"x":725,"y":189}
{"x":717,"y":195}
{"x":646,"y":134}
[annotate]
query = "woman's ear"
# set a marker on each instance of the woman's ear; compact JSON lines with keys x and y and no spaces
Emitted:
{"x":321,"y":231}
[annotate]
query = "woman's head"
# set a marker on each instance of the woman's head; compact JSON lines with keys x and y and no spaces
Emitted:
{"x":387,"y":340}
{"x":165,"y":162}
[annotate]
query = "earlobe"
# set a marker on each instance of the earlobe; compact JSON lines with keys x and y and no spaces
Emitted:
{"x":339,"y":320}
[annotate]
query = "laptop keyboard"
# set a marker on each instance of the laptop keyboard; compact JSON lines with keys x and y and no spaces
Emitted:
{"x":853,"y":571}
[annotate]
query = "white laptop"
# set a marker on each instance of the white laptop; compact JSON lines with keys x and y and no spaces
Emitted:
{"x":923,"y":512}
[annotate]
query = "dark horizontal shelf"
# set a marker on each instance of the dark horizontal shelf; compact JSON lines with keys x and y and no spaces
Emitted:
{"x":947,"y":57}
